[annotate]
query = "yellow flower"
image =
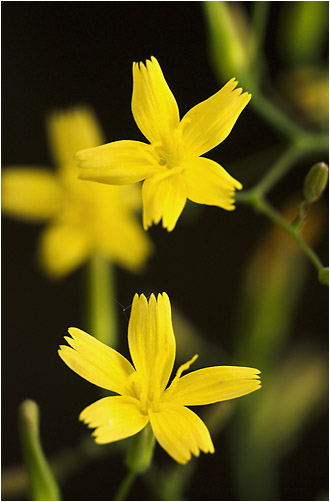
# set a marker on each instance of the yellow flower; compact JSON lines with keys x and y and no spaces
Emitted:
{"x":143,"y":396}
{"x":171,"y":164}
{"x":83,"y":218}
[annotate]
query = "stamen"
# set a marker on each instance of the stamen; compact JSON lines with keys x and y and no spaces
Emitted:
{"x":183,"y":368}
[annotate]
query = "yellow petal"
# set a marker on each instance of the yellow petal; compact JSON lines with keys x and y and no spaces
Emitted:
{"x":153,"y":105}
{"x":31,"y":194}
{"x":115,"y":418}
{"x":70,"y":131}
{"x":151,"y":342}
{"x":209,"y":123}
{"x":163,"y":199}
{"x":206,"y":182}
{"x":63,"y":248}
{"x":127,"y":244}
{"x":117,"y":163}
{"x":210,"y":385}
{"x":96,"y":362}
{"x":180,"y":432}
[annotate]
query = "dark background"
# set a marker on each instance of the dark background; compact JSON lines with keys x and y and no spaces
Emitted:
{"x":57,"y":54}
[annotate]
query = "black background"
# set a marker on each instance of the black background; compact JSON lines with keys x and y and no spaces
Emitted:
{"x":57,"y":54}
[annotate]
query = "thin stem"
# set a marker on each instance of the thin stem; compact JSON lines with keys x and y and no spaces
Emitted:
{"x":138,"y":459}
{"x":284,"y":163}
{"x":276,"y":117}
{"x":126,"y":485}
{"x":260,"y":12}
{"x":263,"y":206}
{"x":304,"y":140}
{"x":102,"y":314}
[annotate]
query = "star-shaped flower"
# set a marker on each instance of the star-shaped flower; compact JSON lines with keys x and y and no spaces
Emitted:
{"x":171,"y":164}
{"x":143,"y":393}
{"x":82,"y":218}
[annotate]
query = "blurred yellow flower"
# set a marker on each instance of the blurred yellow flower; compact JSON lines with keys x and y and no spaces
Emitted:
{"x":83,"y":218}
{"x":143,"y":396}
{"x":171,"y":164}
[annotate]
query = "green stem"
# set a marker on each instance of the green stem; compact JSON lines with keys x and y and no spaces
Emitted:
{"x":302,"y":139}
{"x":138,"y":459}
{"x":285,"y":162}
{"x":263,"y":206}
{"x":260,"y":11}
{"x":125,"y":487}
{"x":102,"y":314}
{"x":276,"y":117}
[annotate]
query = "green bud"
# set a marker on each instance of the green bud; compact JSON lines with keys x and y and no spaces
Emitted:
{"x":42,"y":484}
{"x":324,"y":276}
{"x":140,"y":451}
{"x":315,"y":182}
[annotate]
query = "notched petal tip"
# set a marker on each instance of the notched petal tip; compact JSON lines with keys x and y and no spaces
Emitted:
{"x":164,"y":296}
{"x":82,"y":154}
{"x":72,"y":330}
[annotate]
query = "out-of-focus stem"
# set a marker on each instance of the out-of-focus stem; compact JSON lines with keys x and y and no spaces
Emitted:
{"x":101,"y":312}
{"x":125,"y":486}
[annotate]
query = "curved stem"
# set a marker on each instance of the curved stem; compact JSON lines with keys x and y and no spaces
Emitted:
{"x":262,"y":206}
{"x":274,"y":216}
{"x":268,"y":111}
{"x":285,"y":162}
{"x":125,"y":486}
{"x":303,"y":139}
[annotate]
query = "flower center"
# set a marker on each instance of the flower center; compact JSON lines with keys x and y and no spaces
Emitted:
{"x":168,"y":159}
{"x":142,"y":393}
{"x":169,"y":151}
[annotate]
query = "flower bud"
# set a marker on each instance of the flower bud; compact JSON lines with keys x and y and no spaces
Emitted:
{"x":324,"y":276}
{"x":315,"y":182}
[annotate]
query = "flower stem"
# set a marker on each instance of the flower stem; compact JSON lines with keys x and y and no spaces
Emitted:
{"x":260,"y":14}
{"x":285,"y":162}
{"x":303,"y":140}
{"x":272,"y":114}
{"x":274,"y":216}
{"x":262,"y":206}
{"x":138,"y":459}
{"x":125,"y":486}
{"x":255,"y":197}
{"x":102,"y":315}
